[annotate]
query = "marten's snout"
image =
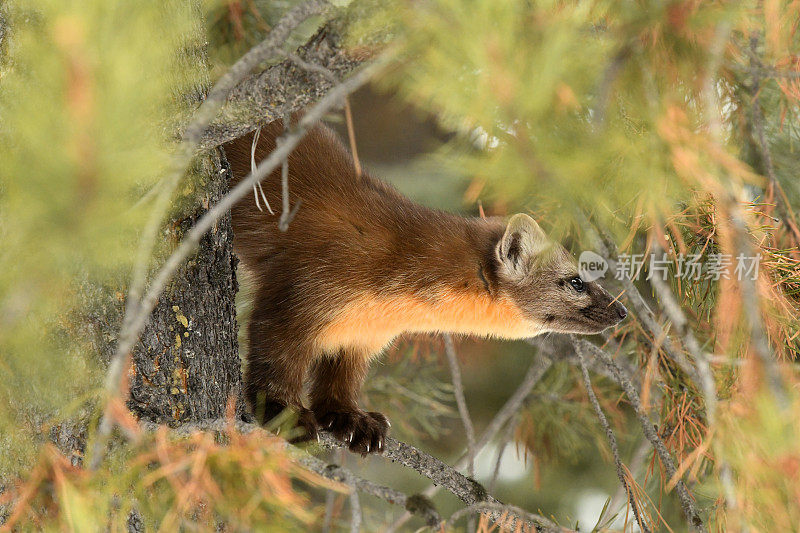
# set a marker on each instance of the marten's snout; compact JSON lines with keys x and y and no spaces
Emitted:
{"x":609,"y":311}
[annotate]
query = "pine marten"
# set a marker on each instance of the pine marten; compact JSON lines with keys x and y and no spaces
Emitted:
{"x":361,"y":264}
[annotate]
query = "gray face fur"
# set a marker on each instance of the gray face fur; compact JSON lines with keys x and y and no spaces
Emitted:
{"x":542,"y":279}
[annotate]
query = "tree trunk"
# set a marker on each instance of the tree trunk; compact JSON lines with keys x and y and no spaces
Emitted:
{"x":186,"y":364}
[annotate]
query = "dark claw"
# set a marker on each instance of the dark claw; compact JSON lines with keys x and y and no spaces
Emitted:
{"x":363,"y":432}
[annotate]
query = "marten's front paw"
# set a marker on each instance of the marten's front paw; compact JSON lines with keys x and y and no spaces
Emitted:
{"x":363,"y":432}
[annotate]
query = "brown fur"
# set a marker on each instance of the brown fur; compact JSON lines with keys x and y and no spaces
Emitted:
{"x":361,"y":264}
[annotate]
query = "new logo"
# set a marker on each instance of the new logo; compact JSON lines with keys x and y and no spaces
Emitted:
{"x":591,"y":266}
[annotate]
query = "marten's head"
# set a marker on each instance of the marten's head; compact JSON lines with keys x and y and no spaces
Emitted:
{"x":542,"y":279}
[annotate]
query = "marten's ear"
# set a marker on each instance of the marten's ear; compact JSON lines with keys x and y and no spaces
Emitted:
{"x":522,"y":241}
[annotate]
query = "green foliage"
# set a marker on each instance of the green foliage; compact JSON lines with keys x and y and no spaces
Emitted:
{"x":567,"y":102}
{"x":556,"y":425}
{"x":170,"y":483}
{"x":85,"y":102}
{"x":91,"y":99}
{"x":412,"y":387}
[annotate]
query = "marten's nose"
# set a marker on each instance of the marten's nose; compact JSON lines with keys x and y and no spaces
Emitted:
{"x":621,"y":311}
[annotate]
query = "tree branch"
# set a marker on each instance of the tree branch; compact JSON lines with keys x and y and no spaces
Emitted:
{"x":505,"y":440}
{"x":701,"y":358}
{"x":512,"y":406}
{"x":637,"y":464}
{"x":313,"y":464}
{"x":757,"y":114}
{"x":612,"y":440}
{"x":467,"y":490}
{"x":752,"y":314}
{"x":355,"y":512}
{"x":643,"y":312}
{"x":503,"y":510}
{"x":458,"y":391}
{"x":257,"y":100}
{"x":684,"y":496}
{"x":330,"y":501}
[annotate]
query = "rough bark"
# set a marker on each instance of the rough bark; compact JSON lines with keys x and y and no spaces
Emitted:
{"x":284,"y":87}
{"x":186,"y":364}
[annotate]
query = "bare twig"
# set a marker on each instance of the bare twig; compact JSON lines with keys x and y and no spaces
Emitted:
{"x":757,"y":66}
{"x":348,"y":115}
{"x":330,"y":501}
{"x":752,"y":314}
{"x":355,"y":513}
{"x":504,"y":511}
{"x":458,"y":391}
{"x":130,"y":335}
{"x":769,"y":72}
{"x":311,"y":67}
{"x":505,"y":440}
{"x":684,"y":496}
{"x":610,"y":75}
{"x":636,"y":466}
{"x":781,"y":200}
{"x":455,"y":373}
{"x":287,"y":215}
{"x":257,"y":189}
{"x":612,"y":440}
{"x":749,"y":290}
{"x":351,"y":136}
{"x":330,"y":76}
{"x":563,"y":351}
{"x":512,"y":406}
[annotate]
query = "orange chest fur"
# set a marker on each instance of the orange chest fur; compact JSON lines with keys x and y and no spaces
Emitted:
{"x":370,"y":322}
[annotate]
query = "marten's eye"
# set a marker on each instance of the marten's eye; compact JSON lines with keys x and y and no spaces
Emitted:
{"x":577,"y":284}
